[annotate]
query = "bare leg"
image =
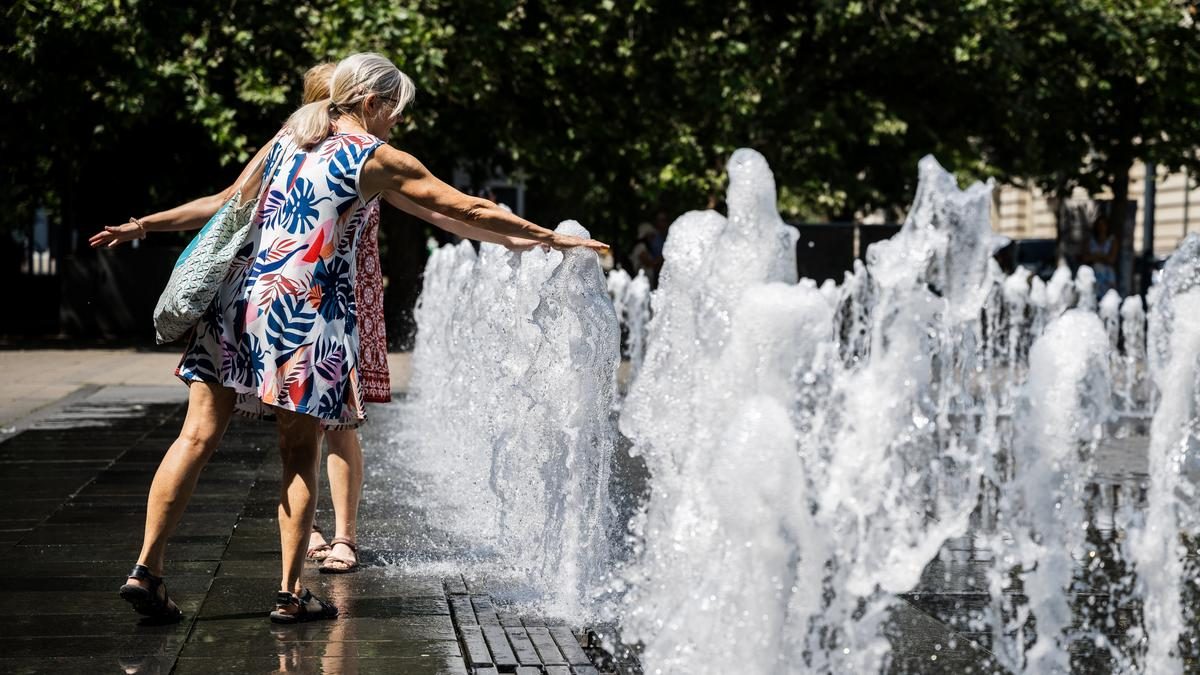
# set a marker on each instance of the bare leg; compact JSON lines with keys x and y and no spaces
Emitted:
{"x":345,"y":485}
{"x":209,"y":408}
{"x":299,"y":447}
{"x":316,"y":540}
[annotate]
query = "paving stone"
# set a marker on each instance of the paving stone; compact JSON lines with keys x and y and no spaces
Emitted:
{"x":187,"y":533}
{"x":107,"y":604}
{"x":10,"y":452}
{"x":464,"y":612}
{"x":120,"y":518}
{"x":546,"y":648}
{"x":397,"y":606}
{"x":525,"y":670}
{"x":485,"y":613}
{"x":200,"y":503}
{"x":366,"y":649}
{"x":30,"y":507}
{"x":569,"y":646}
{"x":477,"y":653}
{"x":72,"y":584}
{"x":116,"y":624}
{"x":234,"y":597}
{"x":508,"y":618}
{"x":50,"y":471}
{"x":497,"y":642}
{"x":929,"y":645}
{"x":300,"y":663}
{"x":380,"y":582}
{"x":11,"y":537}
{"x":112,"y":570}
{"x":104,"y":646}
{"x":57,"y":488}
{"x":126,"y":553}
{"x":523,"y":647}
{"x":455,"y":585}
{"x":142,"y":665}
{"x":253,"y":631}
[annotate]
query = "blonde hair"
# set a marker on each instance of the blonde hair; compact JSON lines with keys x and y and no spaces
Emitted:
{"x":354,"y":79}
{"x":316,"y":82}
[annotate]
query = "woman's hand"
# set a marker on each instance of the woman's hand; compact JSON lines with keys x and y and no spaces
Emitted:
{"x":112,"y":235}
{"x":565,"y":241}
{"x":517,"y":245}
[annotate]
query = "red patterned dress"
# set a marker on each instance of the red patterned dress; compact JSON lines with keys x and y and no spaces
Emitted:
{"x":372,"y":329}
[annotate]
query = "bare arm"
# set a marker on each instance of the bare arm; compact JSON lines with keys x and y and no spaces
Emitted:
{"x":453,"y":226}
{"x":190,"y":216}
{"x":392,"y":171}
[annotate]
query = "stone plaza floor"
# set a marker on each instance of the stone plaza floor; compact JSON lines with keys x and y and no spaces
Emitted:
{"x":81,"y":432}
{"x":74,"y":477}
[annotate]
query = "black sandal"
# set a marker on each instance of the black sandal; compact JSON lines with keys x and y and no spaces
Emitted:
{"x":283,"y":599}
{"x":145,"y":600}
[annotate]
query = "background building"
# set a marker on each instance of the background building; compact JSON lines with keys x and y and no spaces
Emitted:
{"x":1029,"y":214}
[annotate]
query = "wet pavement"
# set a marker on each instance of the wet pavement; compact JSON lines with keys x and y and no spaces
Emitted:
{"x":72,"y":499}
{"x":73,"y":484}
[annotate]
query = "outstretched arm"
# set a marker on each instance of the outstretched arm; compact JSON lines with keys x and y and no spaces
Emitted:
{"x":453,"y":226}
{"x":391,"y":171}
{"x":190,"y":216}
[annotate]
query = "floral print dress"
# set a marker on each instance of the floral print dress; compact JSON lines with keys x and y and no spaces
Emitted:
{"x":282,"y":331}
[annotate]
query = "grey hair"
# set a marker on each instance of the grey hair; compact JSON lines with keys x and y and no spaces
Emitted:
{"x":354,"y":79}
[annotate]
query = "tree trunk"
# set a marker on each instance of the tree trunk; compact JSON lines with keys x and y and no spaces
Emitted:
{"x":1120,"y":222}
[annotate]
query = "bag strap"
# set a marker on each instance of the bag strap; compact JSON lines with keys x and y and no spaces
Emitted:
{"x":258,"y":170}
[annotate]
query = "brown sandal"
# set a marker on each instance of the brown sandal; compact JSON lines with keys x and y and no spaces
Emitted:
{"x":350,"y":565}
{"x":318,"y":552}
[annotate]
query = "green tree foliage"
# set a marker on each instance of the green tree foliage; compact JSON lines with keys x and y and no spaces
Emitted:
{"x":611,"y":109}
{"x":117,"y":107}
{"x":1088,"y":88}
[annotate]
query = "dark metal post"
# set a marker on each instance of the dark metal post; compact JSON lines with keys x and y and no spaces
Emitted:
{"x":1148,"y":214}
{"x":1187,"y":197}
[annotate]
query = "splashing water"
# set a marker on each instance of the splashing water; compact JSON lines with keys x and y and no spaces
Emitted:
{"x":618,"y":287}
{"x":758,"y":349}
{"x":1042,"y":503}
{"x":1133,"y":327}
{"x":820,"y":458}
{"x":637,"y":317}
{"x":1160,"y":548}
{"x":720,"y":329}
{"x":927,"y":399}
{"x":631,"y":300}
{"x":514,"y":375}
{"x":1085,"y":288}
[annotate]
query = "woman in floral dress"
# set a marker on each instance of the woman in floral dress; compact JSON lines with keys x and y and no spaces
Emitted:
{"x":345,"y":463}
{"x":281,"y":336}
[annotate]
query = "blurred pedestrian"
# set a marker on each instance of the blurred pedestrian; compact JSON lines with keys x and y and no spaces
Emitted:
{"x":642,"y":258}
{"x":662,"y":223}
{"x":1101,"y":255}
